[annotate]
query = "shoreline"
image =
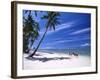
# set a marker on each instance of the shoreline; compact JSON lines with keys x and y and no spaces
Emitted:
{"x":52,"y":61}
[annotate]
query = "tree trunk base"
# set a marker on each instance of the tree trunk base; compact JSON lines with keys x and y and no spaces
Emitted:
{"x":31,"y":55}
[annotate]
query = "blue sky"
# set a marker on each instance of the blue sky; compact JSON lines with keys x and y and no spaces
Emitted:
{"x":74,"y":31}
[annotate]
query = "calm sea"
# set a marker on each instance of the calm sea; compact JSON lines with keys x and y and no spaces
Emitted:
{"x":81,"y":51}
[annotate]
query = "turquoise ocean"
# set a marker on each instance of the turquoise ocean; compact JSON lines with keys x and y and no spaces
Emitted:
{"x":80,"y":50}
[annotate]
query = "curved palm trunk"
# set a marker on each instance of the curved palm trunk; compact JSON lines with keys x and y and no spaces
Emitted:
{"x":39,"y":44}
{"x":49,"y":17}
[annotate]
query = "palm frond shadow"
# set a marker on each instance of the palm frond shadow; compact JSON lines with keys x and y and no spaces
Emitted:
{"x":45,"y":59}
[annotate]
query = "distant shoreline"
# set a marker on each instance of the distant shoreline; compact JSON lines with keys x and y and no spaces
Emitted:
{"x":85,"y":52}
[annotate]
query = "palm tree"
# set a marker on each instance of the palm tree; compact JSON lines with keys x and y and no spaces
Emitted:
{"x":30,"y":31}
{"x":52,"y":21}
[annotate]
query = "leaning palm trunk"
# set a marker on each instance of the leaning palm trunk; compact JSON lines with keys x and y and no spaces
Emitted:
{"x":52,"y":21}
{"x":39,"y":44}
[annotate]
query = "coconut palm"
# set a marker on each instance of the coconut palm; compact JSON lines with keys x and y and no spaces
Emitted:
{"x":52,"y":21}
{"x":30,"y":31}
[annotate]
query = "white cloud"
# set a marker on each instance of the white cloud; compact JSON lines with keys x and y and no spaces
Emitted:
{"x":80,"y":31}
{"x":65,"y":41}
{"x":85,"y":44}
{"x":61,"y":27}
{"x":64,"y":26}
{"x":48,"y":47}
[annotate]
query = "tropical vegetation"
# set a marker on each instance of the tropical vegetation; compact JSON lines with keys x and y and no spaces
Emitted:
{"x":31,"y":28}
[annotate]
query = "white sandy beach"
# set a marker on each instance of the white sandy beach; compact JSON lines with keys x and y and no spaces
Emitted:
{"x":43,"y":60}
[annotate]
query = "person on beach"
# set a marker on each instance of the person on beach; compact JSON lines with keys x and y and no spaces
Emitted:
{"x":73,"y":54}
{"x":70,"y":53}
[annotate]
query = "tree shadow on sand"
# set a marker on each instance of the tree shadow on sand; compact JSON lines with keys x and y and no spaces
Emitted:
{"x":45,"y":59}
